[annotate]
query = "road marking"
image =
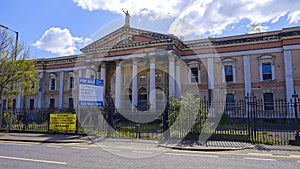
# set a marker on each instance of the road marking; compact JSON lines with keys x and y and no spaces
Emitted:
{"x":295,"y":156}
{"x":298,"y":161}
{"x":143,"y":152}
{"x":80,"y":148}
{"x":33,"y":160}
{"x":261,"y":159}
{"x":54,"y":146}
{"x":259,"y":154}
{"x":192,"y":155}
{"x":16,"y":144}
{"x":24,"y":145}
{"x":111,"y":149}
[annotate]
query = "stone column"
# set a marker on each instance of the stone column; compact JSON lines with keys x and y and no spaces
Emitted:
{"x":247,"y":81}
{"x":171,"y":76}
{"x":88,"y":73}
{"x":152,"y":91}
{"x":134,"y":84}
{"x":61,"y":89}
{"x":211,"y":78}
{"x":118,"y":86}
{"x":178,"y":80}
{"x":247,"y":75}
{"x":288,"y":72}
{"x":98,"y":75}
{"x":80,"y":73}
{"x":41,"y":93}
{"x":289,"y":79}
{"x":103,"y":77}
{"x":19,"y":99}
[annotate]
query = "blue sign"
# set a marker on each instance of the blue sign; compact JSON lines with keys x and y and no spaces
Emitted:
{"x":90,"y":92}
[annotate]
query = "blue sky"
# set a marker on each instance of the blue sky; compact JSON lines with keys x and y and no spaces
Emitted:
{"x":55,"y":28}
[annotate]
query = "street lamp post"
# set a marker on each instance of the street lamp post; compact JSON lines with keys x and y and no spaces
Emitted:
{"x":16,"y":43}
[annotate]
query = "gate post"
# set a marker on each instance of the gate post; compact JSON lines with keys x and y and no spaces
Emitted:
{"x":10,"y":120}
{"x":1,"y":115}
{"x":251,"y":108}
{"x":166,"y":132}
{"x":247,"y":108}
{"x":297,"y":137}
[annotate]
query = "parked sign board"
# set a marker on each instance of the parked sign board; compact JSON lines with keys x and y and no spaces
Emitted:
{"x":90,"y":92}
{"x":62,"y":122}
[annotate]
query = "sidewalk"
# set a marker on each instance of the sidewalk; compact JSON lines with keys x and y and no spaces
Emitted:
{"x":208,"y":146}
{"x":43,"y":138}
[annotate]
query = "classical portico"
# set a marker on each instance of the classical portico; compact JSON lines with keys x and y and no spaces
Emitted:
{"x":141,"y":82}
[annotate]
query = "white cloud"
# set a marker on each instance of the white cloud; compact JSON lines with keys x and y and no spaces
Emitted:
{"x":60,"y":41}
{"x":294,"y":17}
{"x":208,"y":17}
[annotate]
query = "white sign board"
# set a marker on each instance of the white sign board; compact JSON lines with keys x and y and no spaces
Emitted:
{"x":90,"y":92}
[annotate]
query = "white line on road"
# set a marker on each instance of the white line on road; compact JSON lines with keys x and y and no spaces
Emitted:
{"x":54,"y":146}
{"x":298,"y":161}
{"x":34,"y":160}
{"x":143,"y":152}
{"x":16,"y":144}
{"x":80,"y":148}
{"x":24,"y":145}
{"x":261,"y":159}
{"x":106,"y":149}
{"x":191,"y":155}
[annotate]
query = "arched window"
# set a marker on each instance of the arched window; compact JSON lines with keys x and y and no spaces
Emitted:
{"x":71,"y":83}
{"x":266,"y":67}
{"x":194,"y":73}
{"x":52,"y":103}
{"x":268,"y":101}
{"x":229,"y":75}
{"x":143,"y":78}
{"x":52,"y":82}
{"x":158,"y":76}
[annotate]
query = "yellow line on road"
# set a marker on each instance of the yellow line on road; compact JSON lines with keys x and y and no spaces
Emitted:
{"x":242,"y":154}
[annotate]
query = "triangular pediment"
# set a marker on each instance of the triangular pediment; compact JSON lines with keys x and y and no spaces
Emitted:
{"x":126,"y":36}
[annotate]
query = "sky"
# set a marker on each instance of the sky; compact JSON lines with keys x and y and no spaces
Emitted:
{"x":53,"y":28}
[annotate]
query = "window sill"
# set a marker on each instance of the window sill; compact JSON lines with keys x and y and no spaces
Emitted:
{"x":194,"y":83}
{"x":231,"y":82}
{"x":266,"y":81}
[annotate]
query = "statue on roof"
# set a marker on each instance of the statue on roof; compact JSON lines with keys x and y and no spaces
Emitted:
{"x":127,"y":17}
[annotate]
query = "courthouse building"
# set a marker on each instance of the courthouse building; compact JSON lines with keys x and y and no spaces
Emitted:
{"x":140,"y":67}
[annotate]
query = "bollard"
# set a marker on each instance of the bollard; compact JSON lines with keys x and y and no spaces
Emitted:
{"x":138,"y":133}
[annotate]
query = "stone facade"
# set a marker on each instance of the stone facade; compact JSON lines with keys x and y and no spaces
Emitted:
{"x":135,"y":63}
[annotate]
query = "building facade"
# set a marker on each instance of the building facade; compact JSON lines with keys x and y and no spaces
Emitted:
{"x":140,"y":68}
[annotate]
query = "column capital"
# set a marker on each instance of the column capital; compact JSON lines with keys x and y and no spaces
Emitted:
{"x":178,"y":62}
{"x":103,"y":64}
{"x":135,"y":61}
{"x":87,"y":63}
{"x":171,"y":58}
{"x":152,"y":59}
{"x":118,"y":62}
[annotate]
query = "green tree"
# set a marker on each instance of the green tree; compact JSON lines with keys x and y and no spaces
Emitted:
{"x":18,"y":74}
{"x":189,"y":115}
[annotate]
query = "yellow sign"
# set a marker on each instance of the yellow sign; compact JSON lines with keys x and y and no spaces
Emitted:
{"x":62,"y":122}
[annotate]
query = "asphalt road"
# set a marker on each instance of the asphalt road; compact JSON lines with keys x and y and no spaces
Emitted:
{"x":34,"y":155}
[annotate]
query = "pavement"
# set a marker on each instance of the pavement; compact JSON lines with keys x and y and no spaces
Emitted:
{"x":43,"y":138}
{"x":207,"y":146}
